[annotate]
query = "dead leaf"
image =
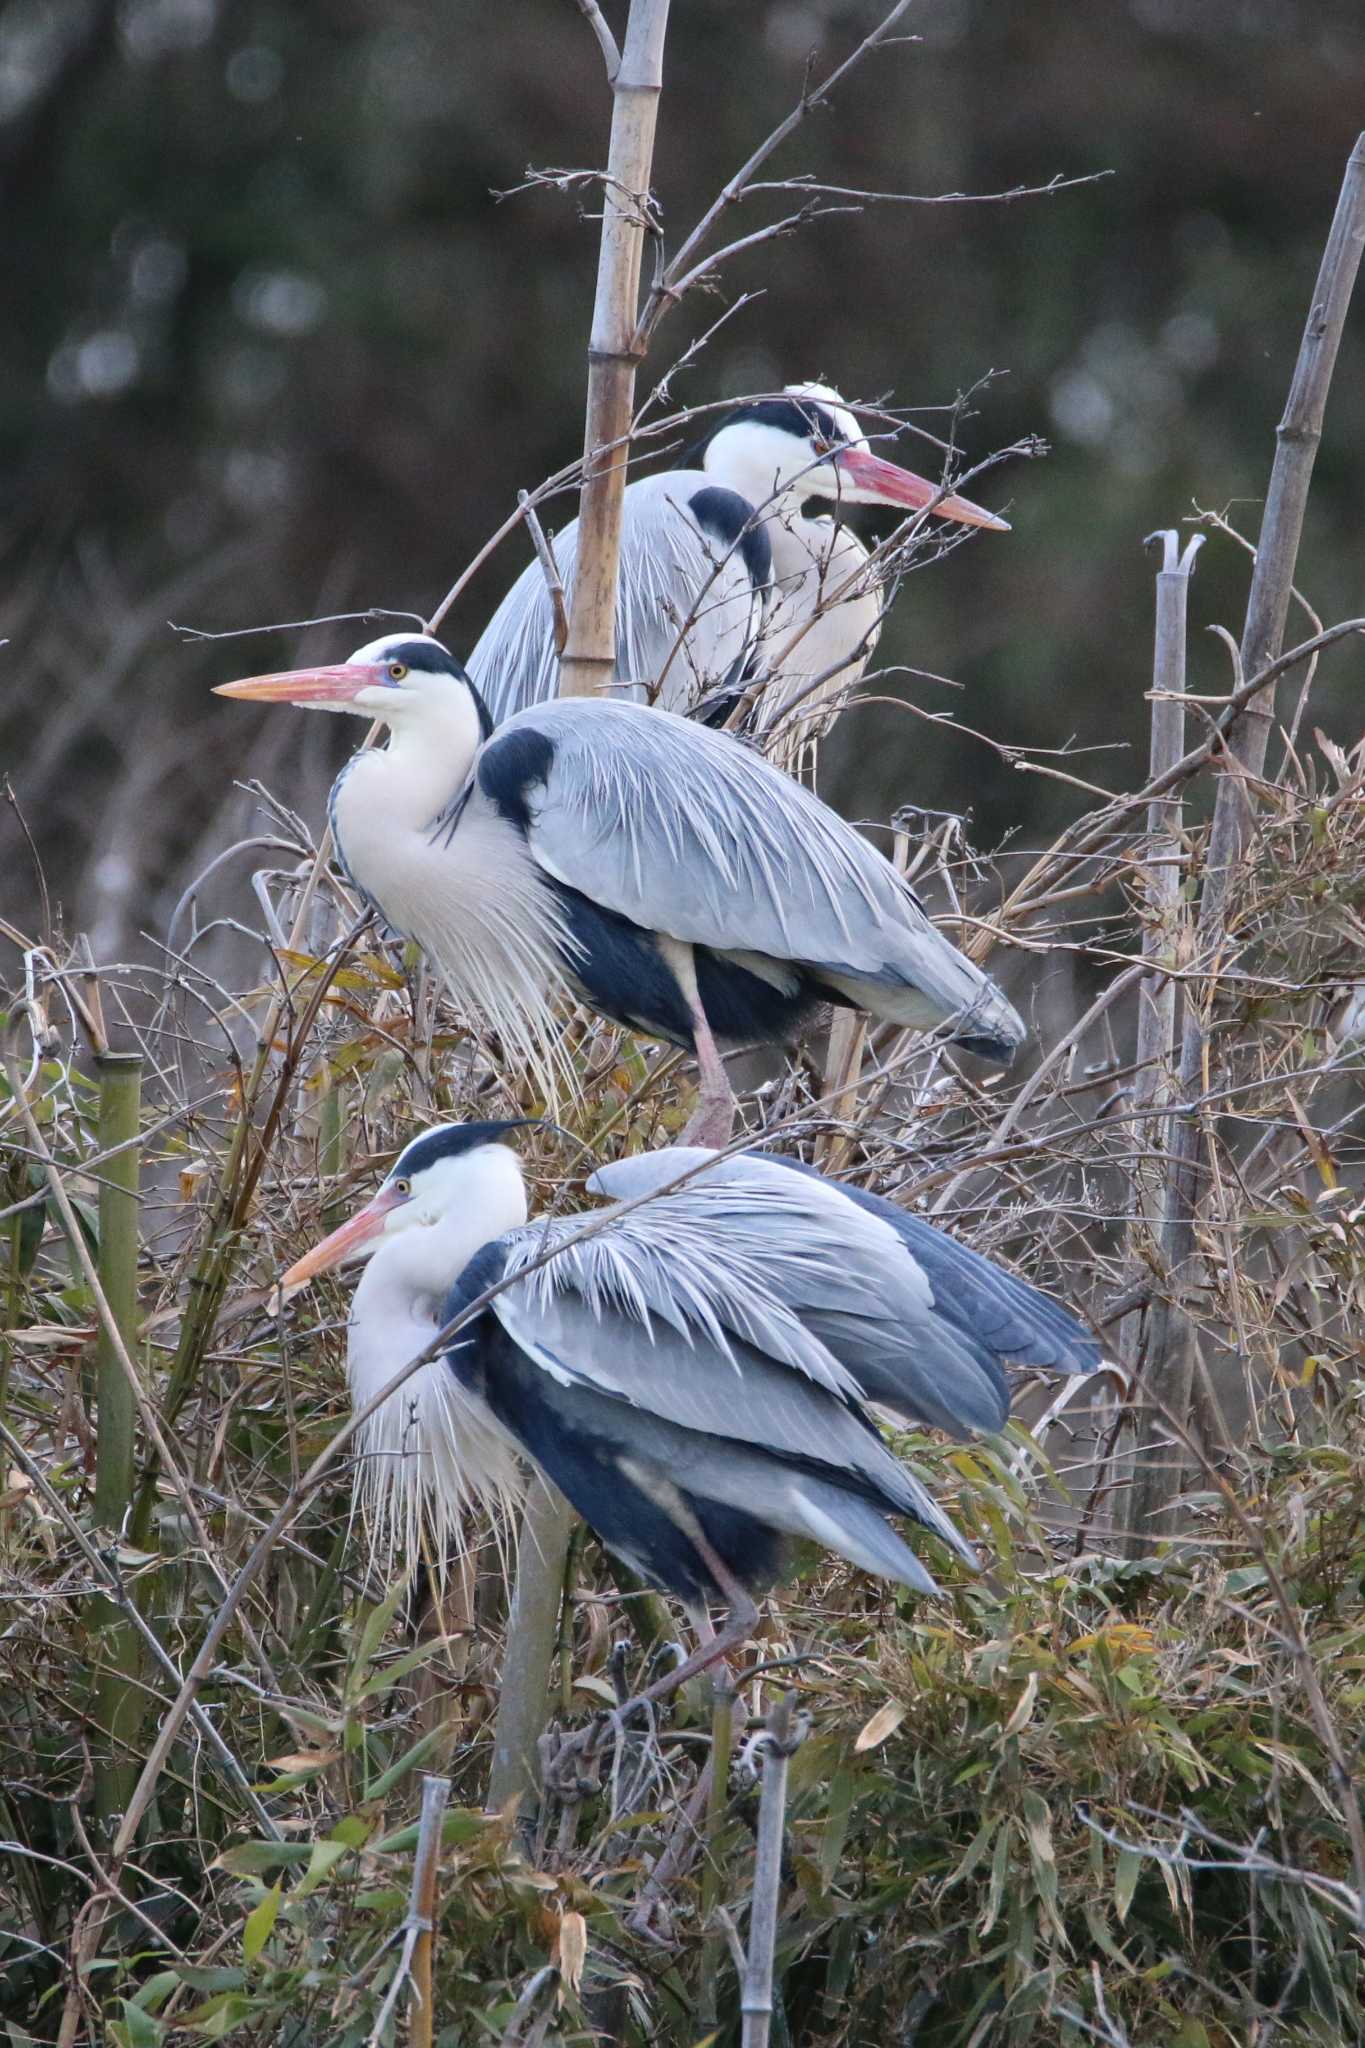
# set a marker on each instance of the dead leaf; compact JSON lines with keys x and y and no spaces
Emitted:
{"x":571,"y":1949}
{"x":304,"y":1760}
{"x":884,"y":1722}
{"x":1023,"y":1705}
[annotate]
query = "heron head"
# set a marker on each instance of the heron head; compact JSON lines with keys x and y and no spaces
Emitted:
{"x":391,"y":679}
{"x":807,"y":444}
{"x":454,"y":1174}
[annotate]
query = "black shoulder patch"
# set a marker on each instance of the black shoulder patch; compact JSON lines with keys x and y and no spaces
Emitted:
{"x":732,"y":520}
{"x":509,"y":764}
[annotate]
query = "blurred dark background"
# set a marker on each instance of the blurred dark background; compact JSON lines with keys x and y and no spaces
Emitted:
{"x":272,"y":348}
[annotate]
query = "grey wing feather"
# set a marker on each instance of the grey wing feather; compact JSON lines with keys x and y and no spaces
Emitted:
{"x":687,"y":832}
{"x":668,"y":569}
{"x":924,"y":1324}
{"x":1018,"y":1322}
{"x":603,"y":1317}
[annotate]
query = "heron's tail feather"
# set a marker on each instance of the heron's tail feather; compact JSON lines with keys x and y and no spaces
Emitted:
{"x":855,"y":1529}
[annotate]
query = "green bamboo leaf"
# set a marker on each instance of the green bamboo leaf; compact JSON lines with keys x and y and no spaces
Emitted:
{"x":352,"y":1830}
{"x":1000,"y":1864}
{"x":424,"y":1747}
{"x":321,"y":1864}
{"x":841,"y":1789}
{"x":157,"y":1990}
{"x":1125,"y":1882}
{"x":254,"y":1859}
{"x":218,"y":2018}
{"x":260,"y":1924}
{"x":377,"y":1623}
{"x":385,"y":1680}
{"x":137,"y":2029}
{"x":461,"y":1824}
{"x":976,"y":1851}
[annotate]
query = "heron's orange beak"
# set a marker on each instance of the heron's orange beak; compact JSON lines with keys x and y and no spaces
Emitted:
{"x":882,"y":483}
{"x":351,"y":1237}
{"x":339,"y":685}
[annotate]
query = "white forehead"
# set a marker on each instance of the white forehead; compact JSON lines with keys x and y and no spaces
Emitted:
{"x":828,"y":397}
{"x":375,"y":650}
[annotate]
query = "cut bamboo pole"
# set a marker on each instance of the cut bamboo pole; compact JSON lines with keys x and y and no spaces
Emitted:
{"x":425,"y":1865}
{"x":119,"y":1692}
{"x":590,"y":654}
{"x":1168,"y":1370}
{"x":1154,"y":1081}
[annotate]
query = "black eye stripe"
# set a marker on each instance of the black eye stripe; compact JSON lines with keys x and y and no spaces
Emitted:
{"x":799,"y":417}
{"x":427,"y":655}
{"x":449,"y":1143}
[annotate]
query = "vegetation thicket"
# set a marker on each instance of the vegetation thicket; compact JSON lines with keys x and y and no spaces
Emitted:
{"x":1106,"y":1790}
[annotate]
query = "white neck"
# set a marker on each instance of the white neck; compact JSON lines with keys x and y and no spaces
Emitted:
{"x":386,"y":799}
{"x":430,"y":751}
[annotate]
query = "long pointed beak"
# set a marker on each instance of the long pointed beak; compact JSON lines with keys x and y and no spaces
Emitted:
{"x":882,"y":483}
{"x":350,"y":1237}
{"x":339,"y":685}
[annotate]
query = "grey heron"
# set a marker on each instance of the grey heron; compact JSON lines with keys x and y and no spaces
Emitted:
{"x":695,"y":1376}
{"x":724,"y":572}
{"x":663,"y":872}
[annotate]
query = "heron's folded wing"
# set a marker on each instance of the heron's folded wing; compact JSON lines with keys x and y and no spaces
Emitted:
{"x":598,"y":1318}
{"x":688,"y":832}
{"x":923,"y":1324}
{"x":1018,"y":1322}
{"x":677,"y":579}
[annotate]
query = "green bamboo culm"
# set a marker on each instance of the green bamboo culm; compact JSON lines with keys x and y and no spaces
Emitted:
{"x":119,"y":1691}
{"x":532,"y":1633}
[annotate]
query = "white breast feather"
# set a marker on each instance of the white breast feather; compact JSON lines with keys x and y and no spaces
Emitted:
{"x":476,"y":905}
{"x":430,"y":1453}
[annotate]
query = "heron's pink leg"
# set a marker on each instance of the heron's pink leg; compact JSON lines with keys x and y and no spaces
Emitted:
{"x":713,"y":1120}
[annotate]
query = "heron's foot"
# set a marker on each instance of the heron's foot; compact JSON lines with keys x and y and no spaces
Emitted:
{"x":572,"y":1766}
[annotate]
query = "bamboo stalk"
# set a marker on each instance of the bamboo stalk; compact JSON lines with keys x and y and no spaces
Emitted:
{"x":120,"y":1110}
{"x":588,"y":664}
{"x":330,"y":1147}
{"x":786,"y":1731}
{"x":119,"y":1693}
{"x":532,"y":1631}
{"x":1169,"y":1352}
{"x":590,"y":654}
{"x":419,"y":1926}
{"x":712,"y":1873}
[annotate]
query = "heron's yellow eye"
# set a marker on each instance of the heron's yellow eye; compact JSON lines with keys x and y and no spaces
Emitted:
{"x":821,"y":444}
{"x":397,"y":671}
{"x":402,"y":1187}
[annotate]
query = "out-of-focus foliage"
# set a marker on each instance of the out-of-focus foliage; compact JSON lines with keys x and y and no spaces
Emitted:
{"x":273,"y":347}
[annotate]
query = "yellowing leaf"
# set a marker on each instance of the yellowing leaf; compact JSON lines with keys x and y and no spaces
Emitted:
{"x":260,"y":1922}
{"x":884,"y":1722}
{"x":1121,"y":1638}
